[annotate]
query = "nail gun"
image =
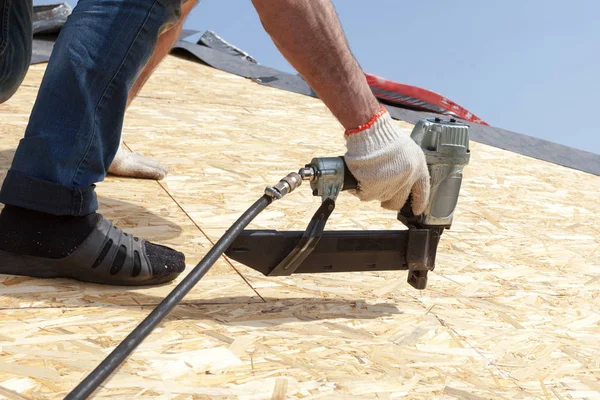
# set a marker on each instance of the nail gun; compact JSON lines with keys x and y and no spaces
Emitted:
{"x":279,"y":253}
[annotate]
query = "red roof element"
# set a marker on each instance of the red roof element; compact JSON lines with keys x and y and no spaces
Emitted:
{"x":418,"y":98}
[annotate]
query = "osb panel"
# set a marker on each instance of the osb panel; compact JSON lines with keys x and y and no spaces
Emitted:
{"x":512,"y":310}
{"x":300,"y":347}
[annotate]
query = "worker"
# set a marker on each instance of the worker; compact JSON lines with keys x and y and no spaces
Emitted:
{"x":104,"y":54}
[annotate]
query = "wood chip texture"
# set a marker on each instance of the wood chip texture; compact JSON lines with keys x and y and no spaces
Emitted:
{"x":511,"y":312}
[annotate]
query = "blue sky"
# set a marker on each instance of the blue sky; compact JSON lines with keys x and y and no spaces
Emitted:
{"x":524,"y":65}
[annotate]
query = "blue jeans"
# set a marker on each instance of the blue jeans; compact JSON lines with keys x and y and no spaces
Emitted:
{"x":15,"y":45}
{"x":75,"y":127}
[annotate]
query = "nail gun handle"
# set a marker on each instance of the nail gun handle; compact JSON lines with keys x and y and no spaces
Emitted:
{"x":350,"y":182}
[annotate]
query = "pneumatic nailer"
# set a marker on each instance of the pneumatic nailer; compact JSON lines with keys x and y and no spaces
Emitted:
{"x":277,"y":253}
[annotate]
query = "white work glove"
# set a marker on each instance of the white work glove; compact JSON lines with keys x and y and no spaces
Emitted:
{"x":388,"y":164}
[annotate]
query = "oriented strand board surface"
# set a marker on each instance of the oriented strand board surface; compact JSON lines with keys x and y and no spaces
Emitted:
{"x":512,"y":311}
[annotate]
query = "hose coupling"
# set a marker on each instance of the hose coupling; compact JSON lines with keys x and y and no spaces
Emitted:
{"x":286,"y":185}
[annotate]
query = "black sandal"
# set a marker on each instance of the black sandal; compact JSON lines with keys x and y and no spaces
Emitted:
{"x":107,"y":256}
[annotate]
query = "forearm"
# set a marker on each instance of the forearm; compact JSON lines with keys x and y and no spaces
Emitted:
{"x":309,"y":35}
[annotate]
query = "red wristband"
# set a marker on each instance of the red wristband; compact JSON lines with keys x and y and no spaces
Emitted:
{"x":369,"y":124}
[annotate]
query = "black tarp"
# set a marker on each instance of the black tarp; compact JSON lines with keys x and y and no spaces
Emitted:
{"x":47,"y":22}
{"x":50,"y":18}
{"x":241,"y":67}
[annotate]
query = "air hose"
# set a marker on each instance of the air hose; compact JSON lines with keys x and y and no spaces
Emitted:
{"x":123,"y":350}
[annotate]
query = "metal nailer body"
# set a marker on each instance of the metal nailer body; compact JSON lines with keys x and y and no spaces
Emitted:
{"x":446,"y":147}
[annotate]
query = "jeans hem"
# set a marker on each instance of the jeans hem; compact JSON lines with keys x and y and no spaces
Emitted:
{"x":36,"y":194}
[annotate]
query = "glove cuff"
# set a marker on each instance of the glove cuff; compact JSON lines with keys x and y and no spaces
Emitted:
{"x":379,"y":134}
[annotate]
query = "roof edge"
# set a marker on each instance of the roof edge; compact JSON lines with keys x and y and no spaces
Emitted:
{"x":516,"y":142}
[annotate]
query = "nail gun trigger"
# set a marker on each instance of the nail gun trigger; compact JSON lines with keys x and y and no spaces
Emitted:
{"x":307,"y":243}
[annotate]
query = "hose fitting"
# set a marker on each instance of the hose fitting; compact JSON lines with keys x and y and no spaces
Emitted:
{"x":286,"y":185}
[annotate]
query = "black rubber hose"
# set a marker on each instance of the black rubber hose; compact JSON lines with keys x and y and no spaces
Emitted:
{"x":123,"y":350}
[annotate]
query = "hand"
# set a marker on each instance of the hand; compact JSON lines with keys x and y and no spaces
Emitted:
{"x":388,"y":165}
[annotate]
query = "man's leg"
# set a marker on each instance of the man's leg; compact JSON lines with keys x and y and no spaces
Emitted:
{"x":70,"y":141}
{"x":388,"y":165}
{"x":136,"y":165}
{"x":15,"y":57}
{"x":164,"y":46}
{"x":15,"y":45}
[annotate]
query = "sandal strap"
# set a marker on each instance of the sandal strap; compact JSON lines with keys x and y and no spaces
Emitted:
{"x":113,"y":252}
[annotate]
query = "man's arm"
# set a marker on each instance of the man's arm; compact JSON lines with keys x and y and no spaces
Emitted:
{"x":309,"y":35}
{"x":388,"y":165}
